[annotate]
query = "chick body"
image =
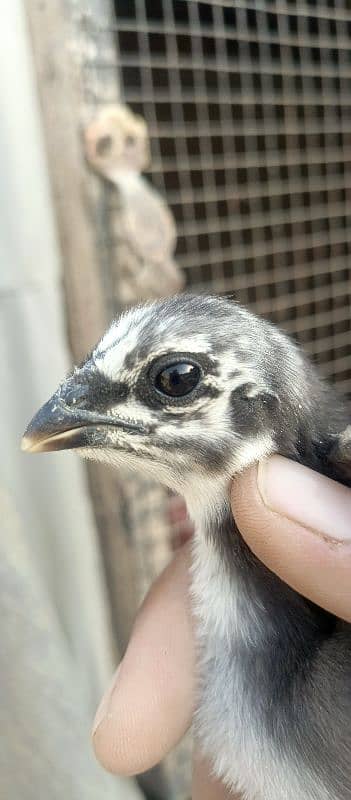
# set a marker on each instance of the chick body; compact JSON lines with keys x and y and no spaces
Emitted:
{"x":192,"y":390}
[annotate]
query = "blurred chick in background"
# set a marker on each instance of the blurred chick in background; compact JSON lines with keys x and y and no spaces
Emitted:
{"x":117,"y":146}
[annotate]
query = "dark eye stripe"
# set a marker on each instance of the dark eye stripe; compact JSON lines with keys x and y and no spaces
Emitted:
{"x":178,"y":380}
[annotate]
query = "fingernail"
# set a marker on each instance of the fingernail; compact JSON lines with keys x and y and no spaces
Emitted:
{"x":305,"y":497}
{"x":104,"y":707}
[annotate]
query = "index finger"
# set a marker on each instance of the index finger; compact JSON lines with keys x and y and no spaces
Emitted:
{"x":149,"y":705}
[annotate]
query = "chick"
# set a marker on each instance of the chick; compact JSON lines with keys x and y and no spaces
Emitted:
{"x":192,"y":390}
{"x":117,"y":146}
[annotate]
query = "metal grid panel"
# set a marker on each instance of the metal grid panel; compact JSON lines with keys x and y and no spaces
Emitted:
{"x":250,"y":118}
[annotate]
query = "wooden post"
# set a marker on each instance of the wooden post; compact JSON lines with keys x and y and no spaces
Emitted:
{"x":63,"y":38}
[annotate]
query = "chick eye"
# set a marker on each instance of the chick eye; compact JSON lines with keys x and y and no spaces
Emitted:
{"x":177,"y":380}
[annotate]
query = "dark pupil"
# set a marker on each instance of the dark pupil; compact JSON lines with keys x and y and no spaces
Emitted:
{"x":178,"y":379}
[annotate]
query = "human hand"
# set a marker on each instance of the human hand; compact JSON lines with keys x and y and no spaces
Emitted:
{"x":299,"y":524}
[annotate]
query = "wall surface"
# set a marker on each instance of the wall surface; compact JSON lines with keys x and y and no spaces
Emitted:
{"x":55,"y":650}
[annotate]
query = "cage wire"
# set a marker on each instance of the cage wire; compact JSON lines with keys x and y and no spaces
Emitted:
{"x":248,"y":108}
{"x":248,"y":105}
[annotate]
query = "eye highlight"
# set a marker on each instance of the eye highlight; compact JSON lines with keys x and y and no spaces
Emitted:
{"x":178,"y":379}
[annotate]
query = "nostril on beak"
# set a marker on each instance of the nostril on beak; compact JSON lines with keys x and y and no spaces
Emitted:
{"x":104,"y":145}
{"x":76,"y":396}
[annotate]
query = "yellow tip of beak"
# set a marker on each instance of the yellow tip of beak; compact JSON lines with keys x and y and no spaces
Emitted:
{"x":49,"y":444}
{"x":27,"y":444}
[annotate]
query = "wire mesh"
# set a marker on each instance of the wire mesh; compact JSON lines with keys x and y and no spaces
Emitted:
{"x":248,"y":105}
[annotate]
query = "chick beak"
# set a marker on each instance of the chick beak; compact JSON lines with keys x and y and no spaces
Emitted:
{"x":62,"y":425}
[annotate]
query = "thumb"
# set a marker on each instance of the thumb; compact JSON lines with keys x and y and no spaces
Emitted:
{"x":299,"y":524}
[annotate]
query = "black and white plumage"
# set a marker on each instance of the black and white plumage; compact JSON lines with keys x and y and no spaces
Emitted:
{"x":193,"y":389}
